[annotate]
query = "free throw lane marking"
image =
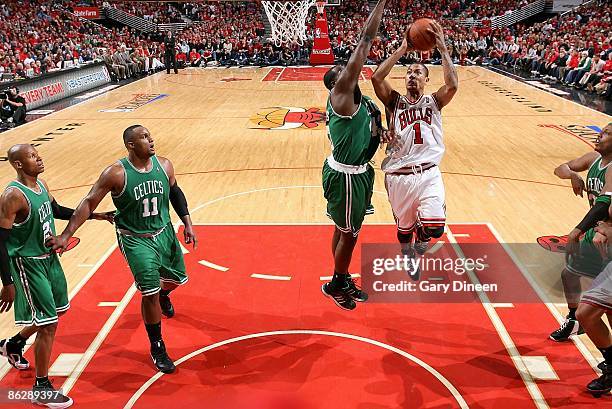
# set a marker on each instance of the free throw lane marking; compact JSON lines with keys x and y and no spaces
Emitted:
{"x":271,"y":277}
{"x":214,"y":266}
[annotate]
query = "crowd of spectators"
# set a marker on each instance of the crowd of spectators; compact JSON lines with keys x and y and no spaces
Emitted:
{"x":574,"y":49}
{"x":38,"y":36}
{"x":157,"y":12}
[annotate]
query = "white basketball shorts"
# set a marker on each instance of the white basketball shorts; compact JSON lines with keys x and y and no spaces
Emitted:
{"x":417,"y":199}
{"x":600,"y":293}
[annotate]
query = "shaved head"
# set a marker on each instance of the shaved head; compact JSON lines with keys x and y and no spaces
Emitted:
{"x":24,"y":158}
{"x":16,"y":152}
{"x":129,"y":133}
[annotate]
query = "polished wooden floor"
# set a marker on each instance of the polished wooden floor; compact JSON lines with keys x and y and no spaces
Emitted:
{"x":498,"y":167}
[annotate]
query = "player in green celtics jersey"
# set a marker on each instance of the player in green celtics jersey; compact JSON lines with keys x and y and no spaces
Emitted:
{"x":142,"y":187}
{"x":32,"y":278}
{"x":583,"y":259}
{"x":354,"y":129}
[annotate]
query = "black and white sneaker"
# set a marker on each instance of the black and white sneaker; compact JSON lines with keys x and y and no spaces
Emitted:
{"x":355,"y":291}
{"x":570,"y":327}
{"x":421,"y":247}
{"x":602,"y":366}
{"x":161,"y":359}
{"x":413,"y":265}
{"x":13,"y":351}
{"x":601,"y":385}
{"x":341,"y":297}
{"x":166,"y":306}
{"x":45,"y":395}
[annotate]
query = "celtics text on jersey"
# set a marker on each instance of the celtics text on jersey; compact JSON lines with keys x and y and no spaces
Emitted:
{"x":143,"y":205}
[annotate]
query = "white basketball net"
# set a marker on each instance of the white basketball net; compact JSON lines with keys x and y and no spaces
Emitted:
{"x":288,"y":20}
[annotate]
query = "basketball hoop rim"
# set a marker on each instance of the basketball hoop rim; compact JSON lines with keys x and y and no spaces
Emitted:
{"x":288,"y":22}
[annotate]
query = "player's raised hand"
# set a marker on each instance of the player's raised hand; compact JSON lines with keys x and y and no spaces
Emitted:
{"x":190,"y":236}
{"x":7,"y":296}
{"x":578,"y":185}
{"x":437,"y":31}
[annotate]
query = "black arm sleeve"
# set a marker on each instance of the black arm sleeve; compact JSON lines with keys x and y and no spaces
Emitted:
{"x":61,"y":212}
{"x":377,"y":128}
{"x":178,"y":200}
{"x":598,"y":212}
{"x":5,"y":271}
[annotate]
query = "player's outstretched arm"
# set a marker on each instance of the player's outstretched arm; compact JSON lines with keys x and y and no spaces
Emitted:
{"x":11,"y":202}
{"x":342,"y":94}
{"x":451,"y":82}
{"x":111,"y":180}
{"x":179,"y":202}
{"x":65,"y":213}
{"x":569,"y":170}
{"x":382,"y":87}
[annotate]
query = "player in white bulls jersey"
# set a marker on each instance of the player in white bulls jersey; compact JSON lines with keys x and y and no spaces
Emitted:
{"x":412,"y":177}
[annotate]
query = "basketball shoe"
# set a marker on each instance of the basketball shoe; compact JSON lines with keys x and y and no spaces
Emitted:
{"x":160,"y":357}
{"x":13,"y":351}
{"x":421,"y":246}
{"x":601,"y":385}
{"x":413,"y":267}
{"x":570,"y":327}
{"x":355,"y":291}
{"x":45,"y":395}
{"x":341,"y":297}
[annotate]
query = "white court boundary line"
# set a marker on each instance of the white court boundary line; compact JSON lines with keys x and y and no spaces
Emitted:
{"x":280,"y":75}
{"x":5,"y":366}
{"x":580,"y":345}
{"x":451,"y":388}
{"x":503,"y":333}
{"x":268,"y":73}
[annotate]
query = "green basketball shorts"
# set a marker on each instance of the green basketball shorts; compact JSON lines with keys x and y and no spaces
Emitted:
{"x":588,"y":261}
{"x":41,"y":291}
{"x":154,"y":260}
{"x":349,"y":197}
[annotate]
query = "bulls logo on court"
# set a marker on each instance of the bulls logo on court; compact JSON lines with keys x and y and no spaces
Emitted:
{"x":284,"y":118}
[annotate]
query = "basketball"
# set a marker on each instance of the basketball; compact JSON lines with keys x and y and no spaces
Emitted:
{"x":418,"y":35}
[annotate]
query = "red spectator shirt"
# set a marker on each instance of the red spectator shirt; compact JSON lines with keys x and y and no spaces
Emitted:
{"x":193,"y":56}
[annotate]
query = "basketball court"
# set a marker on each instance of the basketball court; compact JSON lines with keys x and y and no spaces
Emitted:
{"x":252,"y":329}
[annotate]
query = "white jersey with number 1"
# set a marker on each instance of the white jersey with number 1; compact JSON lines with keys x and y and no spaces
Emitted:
{"x":418,"y":127}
